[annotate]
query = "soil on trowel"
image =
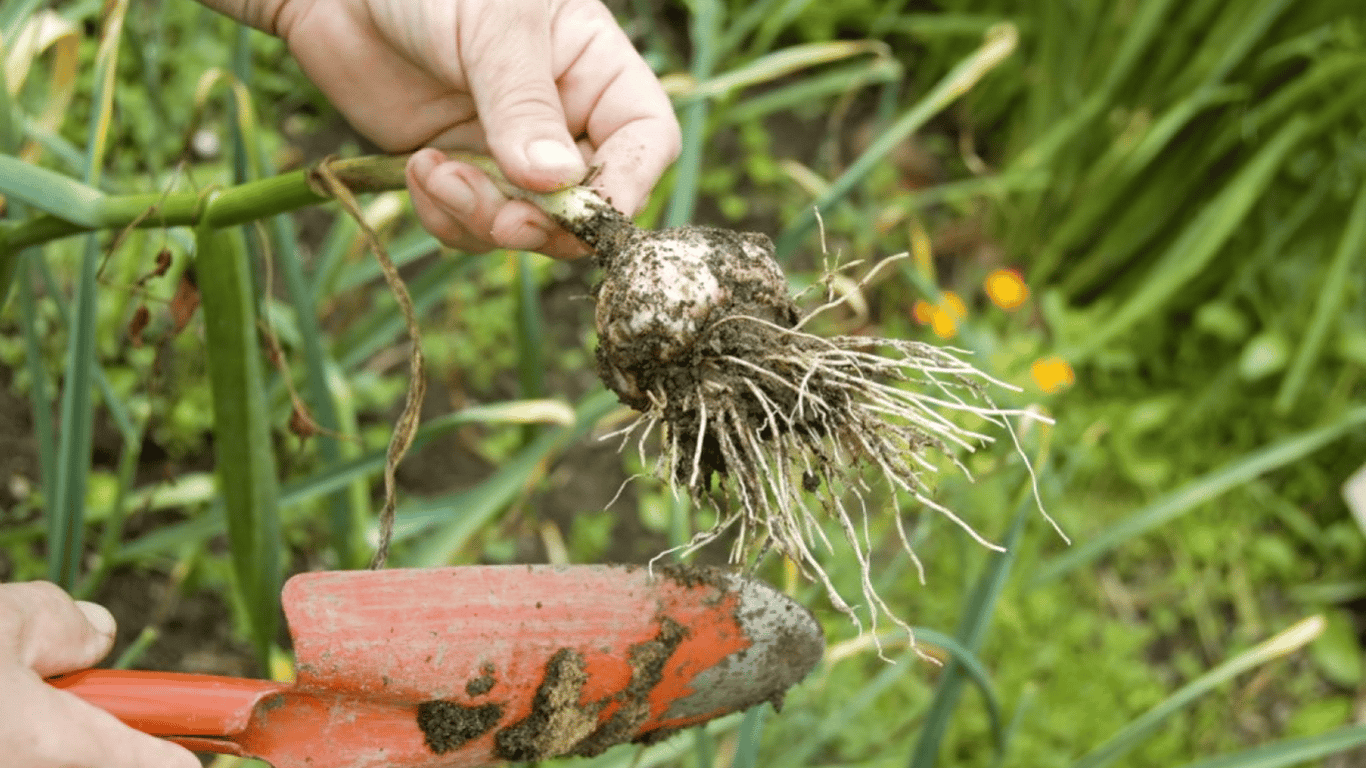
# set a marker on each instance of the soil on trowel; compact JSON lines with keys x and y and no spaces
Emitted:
{"x":557,"y":721}
{"x":560,"y":725}
{"x":647,"y":661}
{"x":448,"y":725}
{"x":478,"y":686}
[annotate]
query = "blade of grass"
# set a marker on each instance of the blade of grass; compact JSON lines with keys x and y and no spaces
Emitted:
{"x":1332,"y":294}
{"x":12,"y":16}
{"x":704,"y":31}
{"x":188,"y":492}
{"x":40,"y":400}
{"x":1110,"y":184}
{"x":243,"y":447}
{"x":971,"y":665}
{"x":839,"y":717}
{"x":531,"y":342}
{"x":749,"y":19}
{"x":779,"y":64}
{"x":812,"y":88}
{"x":406,"y":249}
{"x":751,"y":729}
{"x":971,"y":631}
{"x":1000,"y":43}
{"x":1283,"y":754}
{"x":379,"y":329}
{"x":704,"y":748}
{"x":1200,"y":490}
{"x":548,"y":412}
{"x":346,"y":544}
{"x":1137,"y":731}
{"x":460,"y":515}
{"x":66,"y":509}
{"x":1199,"y":242}
{"x":51,"y":192}
{"x":285,"y":256}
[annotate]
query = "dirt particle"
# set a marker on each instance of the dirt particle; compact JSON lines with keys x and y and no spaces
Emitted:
{"x":448,"y":725}
{"x":605,"y":228}
{"x":693,"y":576}
{"x":557,"y":721}
{"x":478,"y":686}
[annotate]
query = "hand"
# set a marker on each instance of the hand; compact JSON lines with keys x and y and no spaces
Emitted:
{"x":44,"y":632}
{"x":547,"y":87}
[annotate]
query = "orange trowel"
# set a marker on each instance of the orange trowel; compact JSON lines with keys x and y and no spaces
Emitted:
{"x":466,"y":666}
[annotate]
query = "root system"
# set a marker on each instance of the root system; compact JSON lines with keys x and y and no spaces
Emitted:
{"x":772,"y":425}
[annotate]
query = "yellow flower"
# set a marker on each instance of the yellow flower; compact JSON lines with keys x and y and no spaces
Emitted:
{"x":1052,"y":374}
{"x":943,"y":318}
{"x":1006,"y":289}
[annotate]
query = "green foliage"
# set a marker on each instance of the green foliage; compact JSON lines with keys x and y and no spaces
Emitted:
{"x":1181,"y":184}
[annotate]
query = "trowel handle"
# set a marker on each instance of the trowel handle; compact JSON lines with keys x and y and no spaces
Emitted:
{"x":172,"y":703}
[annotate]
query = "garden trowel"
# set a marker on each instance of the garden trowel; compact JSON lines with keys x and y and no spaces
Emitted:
{"x":466,"y":666}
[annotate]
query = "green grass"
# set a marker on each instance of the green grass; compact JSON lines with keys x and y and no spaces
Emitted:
{"x":1180,"y":183}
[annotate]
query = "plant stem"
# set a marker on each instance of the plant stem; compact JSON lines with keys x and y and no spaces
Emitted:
{"x":578,"y":209}
{"x":234,"y":205}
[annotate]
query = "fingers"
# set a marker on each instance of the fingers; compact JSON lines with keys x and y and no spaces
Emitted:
{"x":610,"y":91}
{"x":505,"y":50}
{"x":44,"y":632}
{"x":42,"y":727}
{"x":460,"y":206}
{"x":43,"y":629}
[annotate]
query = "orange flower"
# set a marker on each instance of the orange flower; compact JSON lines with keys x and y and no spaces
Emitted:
{"x":1006,"y":289}
{"x":1052,"y":374}
{"x":942,"y":318}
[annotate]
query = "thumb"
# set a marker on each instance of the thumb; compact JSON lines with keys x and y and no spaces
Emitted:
{"x":506,"y":56}
{"x":48,"y":632}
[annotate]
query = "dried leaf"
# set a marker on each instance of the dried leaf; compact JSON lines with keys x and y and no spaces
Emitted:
{"x":185,"y":301}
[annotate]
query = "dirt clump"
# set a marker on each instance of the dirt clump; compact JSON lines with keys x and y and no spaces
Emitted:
{"x":647,"y":660}
{"x":559,"y":725}
{"x":478,"y":686}
{"x":557,"y":721}
{"x":691,"y":576}
{"x":448,"y":725}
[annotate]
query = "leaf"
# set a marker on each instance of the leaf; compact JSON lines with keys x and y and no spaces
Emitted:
{"x":244,"y":454}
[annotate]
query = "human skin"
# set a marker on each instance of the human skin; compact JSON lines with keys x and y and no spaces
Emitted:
{"x":548,"y":88}
{"x":43,"y":632}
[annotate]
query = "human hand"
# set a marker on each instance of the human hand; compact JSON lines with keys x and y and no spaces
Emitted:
{"x":44,"y":632}
{"x":547,"y":87}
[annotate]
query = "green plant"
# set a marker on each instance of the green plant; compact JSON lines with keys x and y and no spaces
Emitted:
{"x":1180,"y":184}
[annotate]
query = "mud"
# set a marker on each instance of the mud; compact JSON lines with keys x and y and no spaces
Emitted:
{"x":647,"y":661}
{"x":557,"y":721}
{"x":691,"y":576}
{"x":478,"y":686}
{"x":560,"y":725}
{"x":605,"y":228}
{"x":447,"y":725}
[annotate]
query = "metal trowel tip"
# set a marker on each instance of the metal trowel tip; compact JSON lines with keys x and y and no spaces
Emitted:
{"x":785,"y":642}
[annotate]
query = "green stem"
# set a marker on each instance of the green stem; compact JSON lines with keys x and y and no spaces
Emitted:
{"x":86,"y":209}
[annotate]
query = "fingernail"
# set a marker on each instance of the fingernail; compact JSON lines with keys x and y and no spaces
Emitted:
{"x":423,"y":161}
{"x":453,"y":193}
{"x":553,"y":158}
{"x":528,"y":236}
{"x":99,"y":617}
